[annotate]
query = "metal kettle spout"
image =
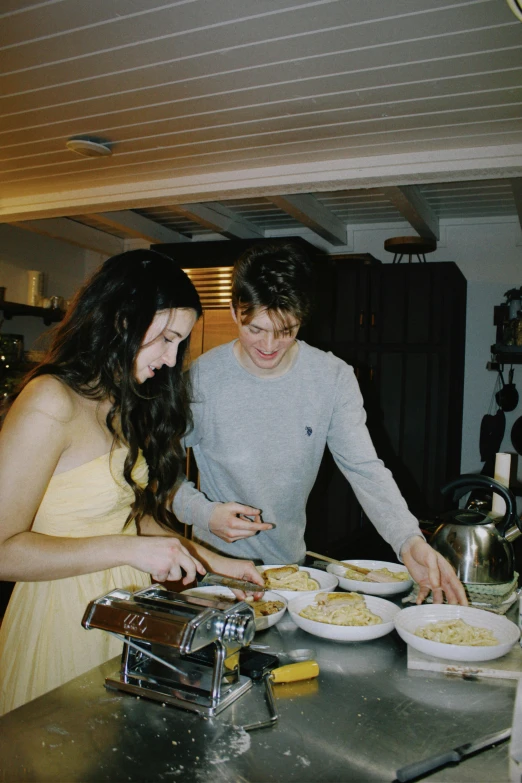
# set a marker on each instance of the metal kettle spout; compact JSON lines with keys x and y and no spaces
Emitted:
{"x":512,"y":533}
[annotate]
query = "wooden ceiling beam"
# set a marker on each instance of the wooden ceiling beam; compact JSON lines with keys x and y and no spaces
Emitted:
{"x":309,"y":211}
{"x":220,"y":219}
{"x":74,"y":233}
{"x":138,"y":226}
{"x":414,"y":208}
{"x":382,"y":171}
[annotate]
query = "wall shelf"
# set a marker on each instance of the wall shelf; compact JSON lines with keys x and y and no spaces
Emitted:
{"x":504,"y":354}
{"x":48,"y":314}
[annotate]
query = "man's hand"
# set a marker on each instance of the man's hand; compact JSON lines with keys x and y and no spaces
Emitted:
{"x":231,"y":522}
{"x":432,"y":573}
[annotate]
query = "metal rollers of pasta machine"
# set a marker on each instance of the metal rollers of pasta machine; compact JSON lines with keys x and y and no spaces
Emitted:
{"x":180,"y":650}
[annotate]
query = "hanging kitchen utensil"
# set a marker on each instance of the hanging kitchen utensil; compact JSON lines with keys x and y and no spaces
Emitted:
{"x":492,"y":429}
{"x":516,"y":435}
{"x":507,"y":395}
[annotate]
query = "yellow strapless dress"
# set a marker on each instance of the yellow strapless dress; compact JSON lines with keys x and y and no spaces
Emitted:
{"x":42,"y":641}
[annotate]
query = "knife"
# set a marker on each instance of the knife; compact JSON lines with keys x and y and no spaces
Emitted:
{"x":418,"y":768}
{"x":233,"y":584}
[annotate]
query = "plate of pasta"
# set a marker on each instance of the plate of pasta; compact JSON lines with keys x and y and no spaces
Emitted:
{"x":397,"y":574}
{"x":343,"y":617}
{"x":459,"y":633}
{"x":267,"y":611}
{"x":293,"y":580}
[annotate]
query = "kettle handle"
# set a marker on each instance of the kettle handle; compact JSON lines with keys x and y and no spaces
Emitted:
{"x":470,"y":481}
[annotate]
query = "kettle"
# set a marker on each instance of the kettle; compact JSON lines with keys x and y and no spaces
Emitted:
{"x":477,"y":545}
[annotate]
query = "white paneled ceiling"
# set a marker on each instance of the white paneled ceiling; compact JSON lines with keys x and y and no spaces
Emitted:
{"x":245,"y":118}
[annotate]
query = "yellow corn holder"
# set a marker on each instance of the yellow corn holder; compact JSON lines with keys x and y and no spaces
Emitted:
{"x":293,"y":672}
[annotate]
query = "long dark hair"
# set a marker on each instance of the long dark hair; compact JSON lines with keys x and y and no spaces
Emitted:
{"x":94,"y":349}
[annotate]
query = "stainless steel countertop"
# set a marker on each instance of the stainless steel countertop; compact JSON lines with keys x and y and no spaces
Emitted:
{"x":364,"y":717}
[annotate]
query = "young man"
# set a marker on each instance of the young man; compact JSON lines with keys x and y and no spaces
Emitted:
{"x":264,"y":408}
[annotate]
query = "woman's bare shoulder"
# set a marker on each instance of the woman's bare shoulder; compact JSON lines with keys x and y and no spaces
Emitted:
{"x":48,"y":395}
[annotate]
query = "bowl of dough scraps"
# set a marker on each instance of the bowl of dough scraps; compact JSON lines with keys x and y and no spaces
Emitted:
{"x":291,"y":580}
{"x":267,"y":611}
{"x":458,"y":633}
{"x":393,"y":577}
{"x":343,"y":617}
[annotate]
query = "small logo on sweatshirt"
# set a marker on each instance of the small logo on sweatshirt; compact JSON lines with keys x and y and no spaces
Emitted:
{"x":308,"y":431}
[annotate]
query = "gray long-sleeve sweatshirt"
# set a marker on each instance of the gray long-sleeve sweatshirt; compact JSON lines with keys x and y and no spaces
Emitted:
{"x":260,"y":441}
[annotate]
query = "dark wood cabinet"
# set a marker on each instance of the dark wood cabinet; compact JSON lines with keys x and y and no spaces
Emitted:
{"x":402,"y":328}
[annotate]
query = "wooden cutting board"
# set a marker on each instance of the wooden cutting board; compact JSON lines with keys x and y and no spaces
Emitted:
{"x":508,"y":667}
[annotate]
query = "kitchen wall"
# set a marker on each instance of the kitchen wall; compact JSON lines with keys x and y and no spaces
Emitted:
{"x":65,"y":266}
{"x":489,"y":253}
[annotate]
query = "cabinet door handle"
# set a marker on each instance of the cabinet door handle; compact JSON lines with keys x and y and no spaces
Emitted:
{"x":371,"y":373}
{"x":361,"y":318}
{"x":372,"y":320}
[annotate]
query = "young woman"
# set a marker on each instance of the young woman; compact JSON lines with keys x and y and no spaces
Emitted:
{"x":89,"y":458}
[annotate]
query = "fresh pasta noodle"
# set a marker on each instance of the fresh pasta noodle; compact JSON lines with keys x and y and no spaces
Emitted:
{"x":340,"y":609}
{"x":391,"y":576}
{"x":457,"y":632}
{"x":289,"y":578}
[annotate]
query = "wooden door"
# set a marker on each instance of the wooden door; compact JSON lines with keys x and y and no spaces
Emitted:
{"x":214,"y":328}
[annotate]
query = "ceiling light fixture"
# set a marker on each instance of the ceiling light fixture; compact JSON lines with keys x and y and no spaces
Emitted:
{"x":89,"y":148}
{"x":516,"y":7}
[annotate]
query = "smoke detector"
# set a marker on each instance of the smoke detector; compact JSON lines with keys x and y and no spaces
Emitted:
{"x":89,"y":148}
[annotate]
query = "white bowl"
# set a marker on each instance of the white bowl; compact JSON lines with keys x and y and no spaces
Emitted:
{"x":371,"y":588}
{"x":262,"y":623}
{"x":346,"y":633}
{"x":414,"y":617}
{"x":327,"y":582}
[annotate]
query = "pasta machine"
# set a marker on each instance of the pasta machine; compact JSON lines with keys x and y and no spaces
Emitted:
{"x":178,"y":649}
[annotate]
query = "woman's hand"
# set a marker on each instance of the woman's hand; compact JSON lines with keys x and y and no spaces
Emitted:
{"x":231,"y":522}
{"x":164,"y":558}
{"x":432,"y":572}
{"x":237,"y":569}
{"x":226,"y":566}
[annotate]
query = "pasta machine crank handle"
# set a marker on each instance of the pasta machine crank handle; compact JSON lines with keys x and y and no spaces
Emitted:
{"x":292,"y":672}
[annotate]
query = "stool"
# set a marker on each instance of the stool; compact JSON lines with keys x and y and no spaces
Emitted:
{"x":410,"y":246}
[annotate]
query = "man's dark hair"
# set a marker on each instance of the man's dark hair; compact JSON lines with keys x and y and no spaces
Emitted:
{"x":278,"y":277}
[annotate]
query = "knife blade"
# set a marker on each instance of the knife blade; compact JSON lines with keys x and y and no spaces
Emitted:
{"x":233,"y":584}
{"x":418,"y":768}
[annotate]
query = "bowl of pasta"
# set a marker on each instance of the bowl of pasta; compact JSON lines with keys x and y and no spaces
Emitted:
{"x":343,"y":617}
{"x":458,"y":633}
{"x":267,"y":611}
{"x":396,"y":578}
{"x":292,"y":580}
